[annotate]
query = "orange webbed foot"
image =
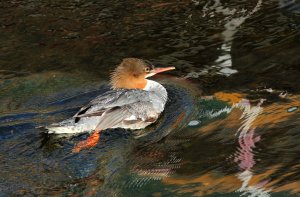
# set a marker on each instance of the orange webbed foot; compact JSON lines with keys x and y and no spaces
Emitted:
{"x":88,"y":143}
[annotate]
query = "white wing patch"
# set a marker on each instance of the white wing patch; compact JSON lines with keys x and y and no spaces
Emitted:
{"x":132,"y":117}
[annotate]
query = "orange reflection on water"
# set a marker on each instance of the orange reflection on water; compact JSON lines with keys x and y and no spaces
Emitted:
{"x":208,"y":183}
{"x":277,"y":113}
{"x":231,"y":98}
{"x":261,"y":179}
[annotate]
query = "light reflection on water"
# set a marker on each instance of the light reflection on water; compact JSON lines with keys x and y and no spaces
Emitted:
{"x":237,"y":77}
{"x":245,"y":155}
{"x":248,"y":178}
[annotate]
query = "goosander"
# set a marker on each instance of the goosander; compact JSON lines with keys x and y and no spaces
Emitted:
{"x":134,"y":102}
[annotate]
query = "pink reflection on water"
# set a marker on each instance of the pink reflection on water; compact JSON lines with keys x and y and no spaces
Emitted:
{"x":245,"y":156}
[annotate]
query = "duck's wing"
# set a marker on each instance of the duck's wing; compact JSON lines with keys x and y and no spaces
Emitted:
{"x":116,"y":100}
{"x":128,"y":115}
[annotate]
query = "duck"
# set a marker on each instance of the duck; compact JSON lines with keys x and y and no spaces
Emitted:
{"x":133,"y":102}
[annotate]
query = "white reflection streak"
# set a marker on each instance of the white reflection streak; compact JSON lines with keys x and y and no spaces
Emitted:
{"x":244,"y":156}
{"x":224,"y":62}
{"x":231,"y":27}
{"x":249,"y":114}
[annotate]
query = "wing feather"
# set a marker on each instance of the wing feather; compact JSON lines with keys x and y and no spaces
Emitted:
{"x":114,"y":98}
{"x":111,"y":118}
{"x":142,"y":111}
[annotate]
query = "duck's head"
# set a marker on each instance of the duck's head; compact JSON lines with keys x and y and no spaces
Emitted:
{"x":132,"y":74}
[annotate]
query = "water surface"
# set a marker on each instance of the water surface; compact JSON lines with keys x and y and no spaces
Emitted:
{"x":231,"y":125}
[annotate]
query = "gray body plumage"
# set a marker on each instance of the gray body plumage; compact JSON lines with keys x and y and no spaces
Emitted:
{"x":122,"y":108}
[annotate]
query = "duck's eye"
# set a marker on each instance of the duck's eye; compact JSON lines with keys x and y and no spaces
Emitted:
{"x":147,"y":69}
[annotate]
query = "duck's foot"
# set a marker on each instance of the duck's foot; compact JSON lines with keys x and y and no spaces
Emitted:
{"x":90,"y":142}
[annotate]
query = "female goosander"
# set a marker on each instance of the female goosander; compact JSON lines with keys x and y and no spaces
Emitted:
{"x":133,"y":103}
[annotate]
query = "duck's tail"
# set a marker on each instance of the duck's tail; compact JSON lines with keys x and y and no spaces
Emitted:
{"x":66,"y":127}
{"x":62,"y":129}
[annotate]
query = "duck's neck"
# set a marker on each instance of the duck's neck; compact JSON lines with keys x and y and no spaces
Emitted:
{"x":157,"y":88}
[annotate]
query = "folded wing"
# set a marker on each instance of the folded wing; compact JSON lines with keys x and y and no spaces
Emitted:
{"x":122,"y":108}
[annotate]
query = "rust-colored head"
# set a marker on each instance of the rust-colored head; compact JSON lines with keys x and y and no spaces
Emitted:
{"x":132,"y":74}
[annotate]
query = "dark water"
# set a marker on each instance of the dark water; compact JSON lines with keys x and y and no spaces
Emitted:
{"x":232,"y":123}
